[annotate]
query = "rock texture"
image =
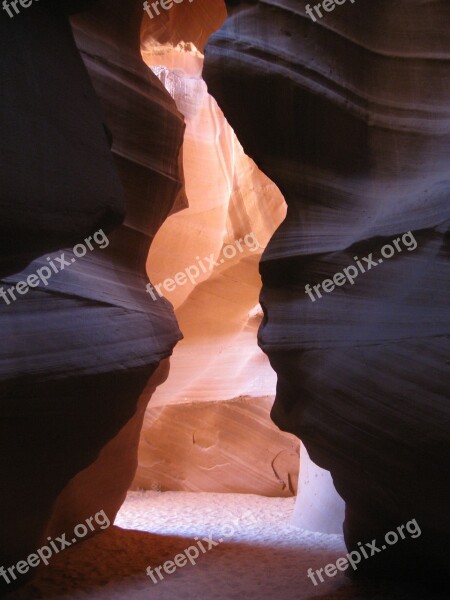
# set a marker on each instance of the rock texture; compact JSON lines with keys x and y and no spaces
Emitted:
{"x":77,"y":185}
{"x":208,"y":427}
{"x":217,"y":446}
{"x":349,"y":117}
{"x":80,"y":358}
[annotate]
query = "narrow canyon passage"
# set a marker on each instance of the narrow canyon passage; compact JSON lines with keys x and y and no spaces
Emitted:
{"x":208,"y":427}
{"x":234,"y":385}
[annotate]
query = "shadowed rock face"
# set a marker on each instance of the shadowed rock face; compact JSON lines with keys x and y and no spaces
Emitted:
{"x":74,"y":187}
{"x":349,"y":117}
{"x":80,"y":358}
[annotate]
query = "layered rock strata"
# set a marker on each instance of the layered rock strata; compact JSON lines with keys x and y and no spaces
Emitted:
{"x":349,"y":117}
{"x":81,"y":356}
{"x":218,"y":447}
{"x":208,"y":427}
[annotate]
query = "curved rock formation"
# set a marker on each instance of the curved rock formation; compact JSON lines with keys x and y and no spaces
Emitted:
{"x":80,"y":352}
{"x":75,"y":187}
{"x":349,"y":116}
{"x":208,"y":427}
{"x":185,"y":22}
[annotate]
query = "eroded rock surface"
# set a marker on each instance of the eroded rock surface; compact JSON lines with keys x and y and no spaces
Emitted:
{"x":208,"y":427}
{"x":217,"y":447}
{"x":78,"y":354}
{"x":349,"y":117}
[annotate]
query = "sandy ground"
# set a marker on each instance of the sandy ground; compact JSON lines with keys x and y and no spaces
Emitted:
{"x":262,"y":556}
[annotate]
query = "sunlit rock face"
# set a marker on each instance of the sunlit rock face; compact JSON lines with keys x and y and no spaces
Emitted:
{"x":208,"y":428}
{"x":349,"y":117}
{"x":82,"y":356}
{"x":220,"y":446}
{"x":318,"y":506}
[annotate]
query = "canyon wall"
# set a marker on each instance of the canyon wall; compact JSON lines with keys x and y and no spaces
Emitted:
{"x":81,"y":356}
{"x":349,"y":116}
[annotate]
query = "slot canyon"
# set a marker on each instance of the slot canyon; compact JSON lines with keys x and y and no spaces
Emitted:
{"x":224,"y":299}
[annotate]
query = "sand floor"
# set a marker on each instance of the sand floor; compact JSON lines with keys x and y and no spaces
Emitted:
{"x":262,"y":556}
